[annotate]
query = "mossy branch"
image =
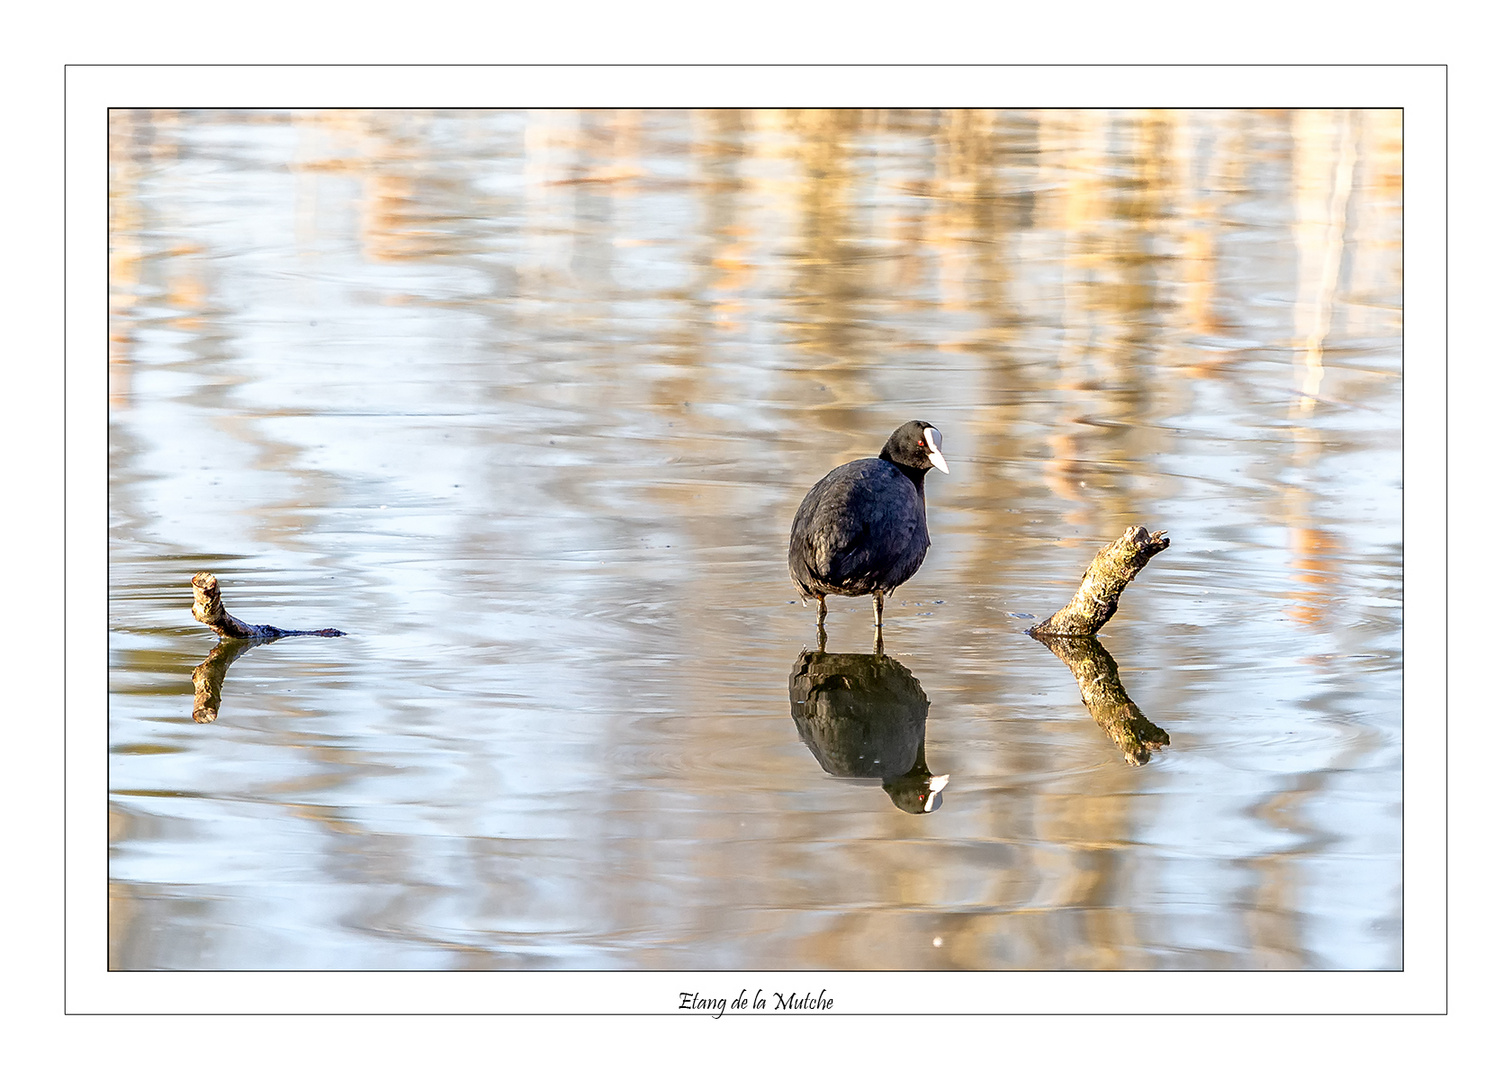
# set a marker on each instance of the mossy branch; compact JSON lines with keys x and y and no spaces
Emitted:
{"x":1096,"y":600}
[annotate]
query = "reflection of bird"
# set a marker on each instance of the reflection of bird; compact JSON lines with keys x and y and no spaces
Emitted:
{"x":863,"y":715}
{"x":861,"y":529}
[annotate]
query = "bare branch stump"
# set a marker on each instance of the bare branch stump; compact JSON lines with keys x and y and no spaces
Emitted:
{"x":1102,"y":692}
{"x":1096,"y":601}
{"x":209,"y":610}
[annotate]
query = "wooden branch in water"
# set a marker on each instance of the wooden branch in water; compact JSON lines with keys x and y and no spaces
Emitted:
{"x":209,"y":610}
{"x":1096,"y":601}
{"x":236,"y":637}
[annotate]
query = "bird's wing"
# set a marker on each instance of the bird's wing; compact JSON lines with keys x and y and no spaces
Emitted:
{"x":848,"y":537}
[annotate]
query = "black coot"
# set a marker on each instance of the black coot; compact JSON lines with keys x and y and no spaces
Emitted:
{"x":861,"y":529}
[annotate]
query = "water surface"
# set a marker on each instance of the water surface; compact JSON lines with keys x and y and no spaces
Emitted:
{"x":525,"y":403}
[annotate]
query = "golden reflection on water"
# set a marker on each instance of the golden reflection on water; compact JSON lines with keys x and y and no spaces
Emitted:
{"x":1078,"y":292}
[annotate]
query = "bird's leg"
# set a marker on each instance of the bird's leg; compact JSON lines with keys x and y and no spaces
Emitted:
{"x":877,"y":642}
{"x":822,"y":611}
{"x":877,"y":600}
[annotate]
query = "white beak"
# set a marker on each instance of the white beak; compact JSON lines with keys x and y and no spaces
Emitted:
{"x":937,"y":459}
{"x":936,"y":785}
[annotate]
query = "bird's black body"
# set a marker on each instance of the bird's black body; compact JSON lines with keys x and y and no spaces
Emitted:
{"x":861,"y":530}
{"x":858,"y":530}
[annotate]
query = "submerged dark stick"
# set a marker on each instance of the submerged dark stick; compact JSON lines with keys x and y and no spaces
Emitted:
{"x":209,"y":610}
{"x":1112,"y":568}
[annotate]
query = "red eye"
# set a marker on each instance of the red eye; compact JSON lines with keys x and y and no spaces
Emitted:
{"x":921,"y":442}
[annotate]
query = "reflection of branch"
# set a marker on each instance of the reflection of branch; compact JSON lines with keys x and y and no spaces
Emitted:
{"x":1112,"y":568}
{"x":209,"y":610}
{"x":212,"y":672}
{"x":1103,"y":693}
